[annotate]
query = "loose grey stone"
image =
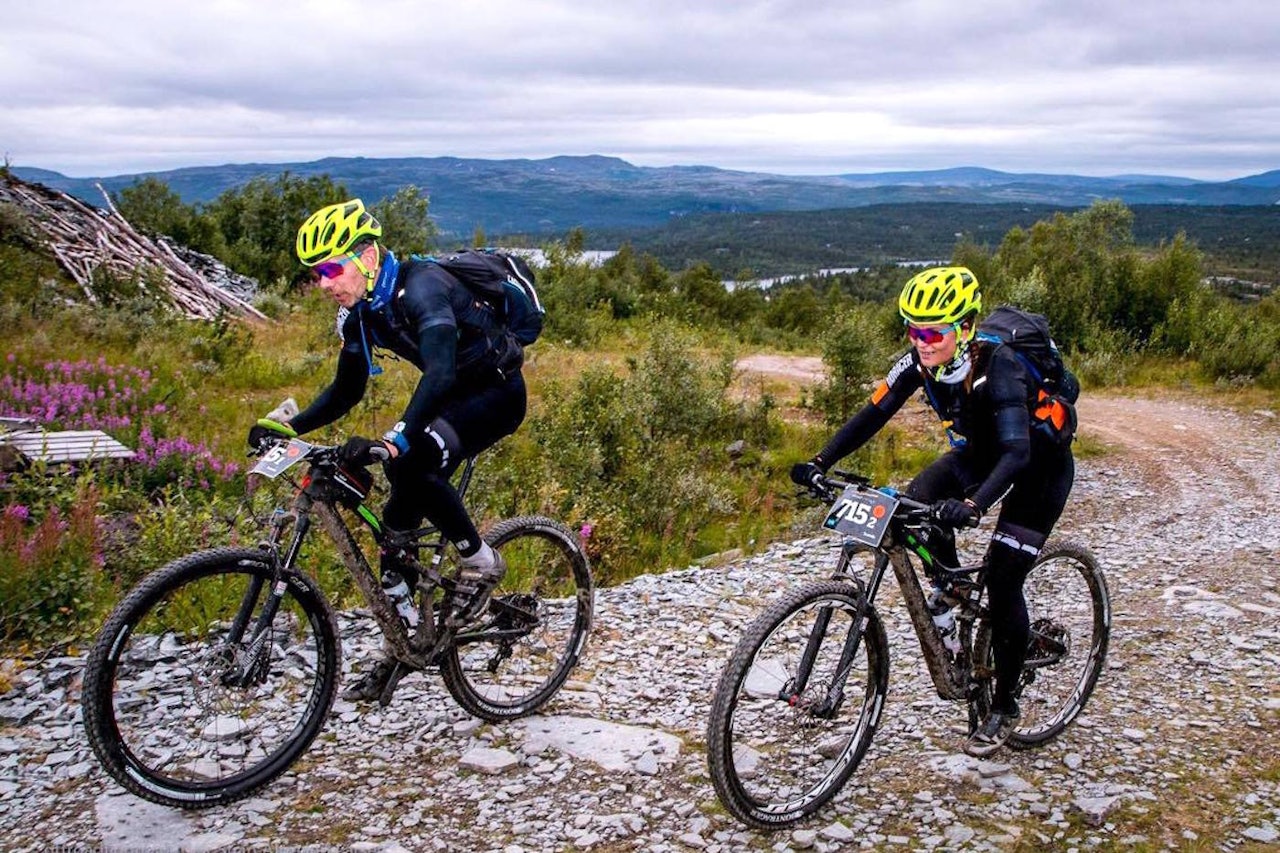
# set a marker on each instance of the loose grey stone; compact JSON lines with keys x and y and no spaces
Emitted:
{"x":838,"y":832}
{"x":490,"y":761}
{"x":803,"y":839}
{"x":1262,"y":834}
{"x":1095,"y":809}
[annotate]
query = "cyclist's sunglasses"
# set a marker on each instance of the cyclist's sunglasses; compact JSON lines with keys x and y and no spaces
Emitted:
{"x":332,"y":269}
{"x":929,"y":334}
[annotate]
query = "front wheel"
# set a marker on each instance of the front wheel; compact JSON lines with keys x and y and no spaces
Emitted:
{"x":190,"y":698}
{"x":1070,"y":612}
{"x":531,"y":638}
{"x":797,"y":705}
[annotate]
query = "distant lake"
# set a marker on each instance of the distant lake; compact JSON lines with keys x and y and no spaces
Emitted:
{"x":765,"y":283}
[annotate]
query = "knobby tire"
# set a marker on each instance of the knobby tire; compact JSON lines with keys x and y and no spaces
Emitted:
{"x":773,"y":760}
{"x":1067,"y":598}
{"x":522,"y":651}
{"x":157,"y":707}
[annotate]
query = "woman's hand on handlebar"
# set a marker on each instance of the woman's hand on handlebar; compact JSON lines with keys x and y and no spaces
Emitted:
{"x":807,"y":474}
{"x":957,"y":513}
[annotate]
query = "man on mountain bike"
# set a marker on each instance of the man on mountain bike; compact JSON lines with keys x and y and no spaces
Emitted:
{"x":471,"y":394}
{"x":983,"y":394}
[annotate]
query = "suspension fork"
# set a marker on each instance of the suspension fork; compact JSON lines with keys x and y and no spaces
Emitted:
{"x":834,"y":698}
{"x":248,"y":663}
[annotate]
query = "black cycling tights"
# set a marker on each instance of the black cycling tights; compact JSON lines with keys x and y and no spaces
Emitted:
{"x":468,"y":423}
{"x":1027,"y":514}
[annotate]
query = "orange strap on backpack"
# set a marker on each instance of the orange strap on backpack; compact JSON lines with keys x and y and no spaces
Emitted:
{"x":1051,"y":409}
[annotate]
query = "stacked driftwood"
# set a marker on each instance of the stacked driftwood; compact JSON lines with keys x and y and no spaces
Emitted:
{"x":89,"y":242}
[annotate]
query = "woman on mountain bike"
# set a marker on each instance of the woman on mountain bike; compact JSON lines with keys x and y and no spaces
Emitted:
{"x":471,"y":394}
{"x":983,"y":394}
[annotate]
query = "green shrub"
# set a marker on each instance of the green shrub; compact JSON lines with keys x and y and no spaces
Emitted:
{"x":854,"y":353}
{"x":637,"y":457}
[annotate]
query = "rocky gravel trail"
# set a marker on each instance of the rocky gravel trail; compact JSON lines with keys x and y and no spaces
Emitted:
{"x":1176,"y":749}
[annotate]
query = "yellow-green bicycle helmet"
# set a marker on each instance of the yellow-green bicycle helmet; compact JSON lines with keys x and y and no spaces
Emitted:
{"x":334,"y":229}
{"x":940,"y":295}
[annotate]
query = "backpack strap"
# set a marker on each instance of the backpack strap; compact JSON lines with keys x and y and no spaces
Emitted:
{"x":996,"y":342}
{"x":954,"y":438}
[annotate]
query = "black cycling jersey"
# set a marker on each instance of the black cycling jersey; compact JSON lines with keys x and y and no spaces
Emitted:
{"x":994,"y":450}
{"x":432,"y":321}
{"x":470,"y":396}
{"x":988,"y":413}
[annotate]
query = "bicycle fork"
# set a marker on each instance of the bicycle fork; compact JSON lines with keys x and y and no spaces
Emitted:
{"x":829,"y":703}
{"x":248,"y":665}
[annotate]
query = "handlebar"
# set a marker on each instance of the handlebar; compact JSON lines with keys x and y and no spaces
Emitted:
{"x":317,"y":453}
{"x":828,"y":487}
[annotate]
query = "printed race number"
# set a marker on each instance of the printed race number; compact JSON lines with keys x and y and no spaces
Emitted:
{"x":281,"y":458}
{"x":862,"y":514}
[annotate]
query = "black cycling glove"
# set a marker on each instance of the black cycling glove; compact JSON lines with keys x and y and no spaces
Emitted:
{"x":364,"y":451}
{"x":807,"y":473}
{"x":956,"y":513}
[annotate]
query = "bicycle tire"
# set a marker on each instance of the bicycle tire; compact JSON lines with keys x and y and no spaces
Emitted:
{"x":753,"y":731}
{"x":1059,"y":609}
{"x":156,"y":709}
{"x":516,"y":660}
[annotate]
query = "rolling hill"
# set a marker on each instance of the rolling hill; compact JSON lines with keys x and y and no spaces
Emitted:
{"x":552,"y":195}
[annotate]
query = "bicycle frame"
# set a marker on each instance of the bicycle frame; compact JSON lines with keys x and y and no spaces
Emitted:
{"x":950,"y":676}
{"x":315,"y":499}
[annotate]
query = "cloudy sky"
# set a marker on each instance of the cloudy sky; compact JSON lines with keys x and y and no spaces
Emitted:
{"x":1097,"y":87}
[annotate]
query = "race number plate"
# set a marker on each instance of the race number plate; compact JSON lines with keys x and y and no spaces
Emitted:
{"x":862,"y":514}
{"x":281,"y":458}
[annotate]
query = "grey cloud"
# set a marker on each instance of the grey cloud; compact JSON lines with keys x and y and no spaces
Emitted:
{"x":787,"y":85}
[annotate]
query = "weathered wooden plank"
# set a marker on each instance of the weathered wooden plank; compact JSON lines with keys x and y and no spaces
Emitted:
{"x":66,"y":446}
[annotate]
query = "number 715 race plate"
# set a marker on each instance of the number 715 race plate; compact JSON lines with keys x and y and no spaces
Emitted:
{"x":862,"y":514}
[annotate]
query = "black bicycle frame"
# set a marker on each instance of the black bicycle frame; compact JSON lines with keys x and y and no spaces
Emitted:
{"x":950,"y":678}
{"x":316,"y":497}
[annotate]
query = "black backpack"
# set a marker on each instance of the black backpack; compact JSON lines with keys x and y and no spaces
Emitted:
{"x":1027,"y":336}
{"x":502,"y":280}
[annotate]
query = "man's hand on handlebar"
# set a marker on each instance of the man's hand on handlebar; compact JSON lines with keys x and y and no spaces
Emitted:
{"x":363,"y":452}
{"x":808,"y":474}
{"x":264,"y":433}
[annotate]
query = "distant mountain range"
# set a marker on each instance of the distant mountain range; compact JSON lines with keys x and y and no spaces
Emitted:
{"x":550,"y":196}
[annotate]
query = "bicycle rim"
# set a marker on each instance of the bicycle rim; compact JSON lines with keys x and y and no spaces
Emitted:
{"x":1070,"y":615}
{"x":536,"y":627}
{"x":159,"y":710}
{"x":775,"y":753}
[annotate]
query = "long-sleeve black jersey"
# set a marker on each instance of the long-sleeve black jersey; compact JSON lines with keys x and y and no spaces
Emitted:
{"x":432,"y":321}
{"x":988,"y":409}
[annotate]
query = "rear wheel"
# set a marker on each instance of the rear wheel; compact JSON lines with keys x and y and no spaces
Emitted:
{"x":797,"y":706}
{"x":519,"y":654}
{"x":1070,"y":611}
{"x":188,"y":701}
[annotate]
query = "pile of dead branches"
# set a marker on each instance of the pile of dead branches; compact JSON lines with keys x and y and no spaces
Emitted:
{"x":88,"y":242}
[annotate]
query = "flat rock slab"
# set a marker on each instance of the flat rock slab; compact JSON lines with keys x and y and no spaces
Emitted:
{"x":613,"y":746}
